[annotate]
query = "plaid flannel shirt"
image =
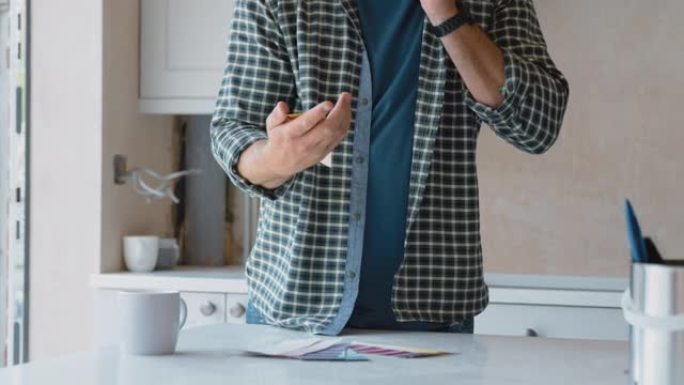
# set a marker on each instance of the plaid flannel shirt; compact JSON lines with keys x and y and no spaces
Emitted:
{"x":304,"y":52}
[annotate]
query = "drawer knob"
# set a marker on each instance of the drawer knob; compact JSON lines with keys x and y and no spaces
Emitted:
{"x":531,"y":333}
{"x":207,"y":309}
{"x":237,"y":310}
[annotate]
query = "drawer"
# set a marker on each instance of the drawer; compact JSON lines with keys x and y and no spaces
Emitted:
{"x":204,"y":308}
{"x":236,"y":307}
{"x":553,"y":322}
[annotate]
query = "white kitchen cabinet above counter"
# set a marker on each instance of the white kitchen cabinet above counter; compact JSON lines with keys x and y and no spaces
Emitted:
{"x":559,"y":307}
{"x":504,"y":288}
{"x":213,"y":295}
{"x":182,"y":54}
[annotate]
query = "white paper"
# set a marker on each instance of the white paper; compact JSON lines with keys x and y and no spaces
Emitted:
{"x":291,"y":347}
{"x":327,"y":161}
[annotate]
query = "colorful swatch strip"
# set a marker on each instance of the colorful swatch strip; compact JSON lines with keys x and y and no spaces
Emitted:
{"x":395,"y":351}
{"x":334,"y":349}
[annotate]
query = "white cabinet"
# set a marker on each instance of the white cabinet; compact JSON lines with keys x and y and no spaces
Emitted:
{"x":236,"y":308}
{"x":582,"y":308}
{"x":554,"y":307}
{"x":553,"y":322}
{"x":182,"y":54}
{"x":212,"y":295}
{"x":204,"y":308}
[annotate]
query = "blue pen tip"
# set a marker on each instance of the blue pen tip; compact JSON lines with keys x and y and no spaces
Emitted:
{"x":634,"y":236}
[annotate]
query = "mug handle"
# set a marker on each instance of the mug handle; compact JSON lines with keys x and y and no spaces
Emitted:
{"x":183,"y":314}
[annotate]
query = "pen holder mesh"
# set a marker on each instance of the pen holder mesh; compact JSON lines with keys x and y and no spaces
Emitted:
{"x":654,"y":308}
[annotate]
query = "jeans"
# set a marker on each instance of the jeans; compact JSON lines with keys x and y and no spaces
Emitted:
{"x":252,"y":315}
{"x":467,"y":326}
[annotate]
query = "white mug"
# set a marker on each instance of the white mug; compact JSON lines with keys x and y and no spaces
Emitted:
{"x":150,"y":321}
{"x":141,"y":252}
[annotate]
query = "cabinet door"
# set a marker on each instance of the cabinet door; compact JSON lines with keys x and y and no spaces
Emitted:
{"x":236,"y":307}
{"x":552,"y":322}
{"x":183,"y":49}
{"x":204,"y":308}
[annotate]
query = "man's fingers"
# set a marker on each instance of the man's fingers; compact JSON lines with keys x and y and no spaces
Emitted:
{"x":278,"y":116}
{"x":311,"y":118}
{"x":334,"y":128}
{"x":342,"y":111}
{"x":337,"y":120}
{"x":341,"y":117}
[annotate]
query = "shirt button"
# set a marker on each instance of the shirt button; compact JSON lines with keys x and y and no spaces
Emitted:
{"x":357,"y":216}
{"x":364,"y":102}
{"x":360,"y":159}
{"x":351,"y":274}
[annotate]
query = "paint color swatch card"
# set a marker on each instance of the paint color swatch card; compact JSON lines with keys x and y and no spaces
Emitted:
{"x":333,"y":349}
{"x":338,"y":352}
{"x":309,"y":349}
{"x":327,"y":161}
{"x":395,"y":351}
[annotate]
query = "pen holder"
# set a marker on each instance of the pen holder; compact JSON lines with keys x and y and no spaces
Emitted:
{"x":654,"y":308}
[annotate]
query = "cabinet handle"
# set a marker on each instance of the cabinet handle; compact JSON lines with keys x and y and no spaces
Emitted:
{"x":207,"y":309}
{"x":531,"y":333}
{"x":237,"y":310}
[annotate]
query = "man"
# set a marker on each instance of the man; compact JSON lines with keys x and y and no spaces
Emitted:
{"x":388,"y":236}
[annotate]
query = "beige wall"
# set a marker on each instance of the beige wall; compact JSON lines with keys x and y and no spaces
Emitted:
{"x":84,"y":76}
{"x":561,"y":213}
{"x":146,"y":140}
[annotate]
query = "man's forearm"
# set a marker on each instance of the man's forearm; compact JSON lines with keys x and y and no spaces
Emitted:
{"x":477,"y":58}
{"x":252,"y":166}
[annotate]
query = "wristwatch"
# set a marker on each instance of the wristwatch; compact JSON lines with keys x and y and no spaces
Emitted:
{"x":455,"y":22}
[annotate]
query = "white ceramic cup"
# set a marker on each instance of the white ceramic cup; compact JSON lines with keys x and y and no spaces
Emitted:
{"x":141,"y":252}
{"x":150,"y":321}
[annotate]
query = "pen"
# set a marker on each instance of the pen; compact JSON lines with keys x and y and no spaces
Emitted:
{"x":634,"y":235}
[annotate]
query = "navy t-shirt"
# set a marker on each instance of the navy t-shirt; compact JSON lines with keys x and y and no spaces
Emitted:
{"x":392,"y":33}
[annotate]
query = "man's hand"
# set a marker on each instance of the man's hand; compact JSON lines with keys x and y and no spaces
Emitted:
{"x":296,"y":144}
{"x":439,"y":11}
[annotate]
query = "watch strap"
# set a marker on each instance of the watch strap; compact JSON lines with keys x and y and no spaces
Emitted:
{"x":453,"y":23}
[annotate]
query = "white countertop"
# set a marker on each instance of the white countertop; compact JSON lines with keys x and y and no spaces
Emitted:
{"x":504,"y":288}
{"x":225,"y":279}
{"x":559,"y":282}
{"x":212,"y":355}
